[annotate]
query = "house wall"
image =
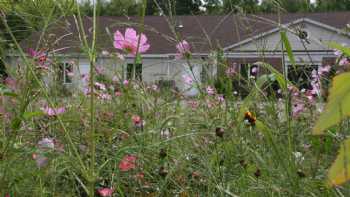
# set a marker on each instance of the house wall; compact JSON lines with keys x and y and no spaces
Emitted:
{"x":153,"y":69}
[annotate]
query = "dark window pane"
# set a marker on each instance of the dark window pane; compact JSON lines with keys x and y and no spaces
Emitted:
{"x":67,"y":71}
{"x":300,"y":75}
{"x":138,"y":71}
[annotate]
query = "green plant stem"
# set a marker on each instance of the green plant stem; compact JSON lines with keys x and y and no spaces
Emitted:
{"x":92,"y":56}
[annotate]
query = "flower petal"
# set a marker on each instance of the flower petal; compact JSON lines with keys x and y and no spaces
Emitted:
{"x":144,"y":48}
{"x":143,"y":39}
{"x":131,"y":36}
{"x":118,"y":40}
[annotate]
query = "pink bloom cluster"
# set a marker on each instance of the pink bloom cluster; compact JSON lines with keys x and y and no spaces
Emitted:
{"x":127,"y":163}
{"x":210,"y":90}
{"x":105,"y":192}
{"x":137,"y":121}
{"x":188,"y":79}
{"x":298,"y":101}
{"x":343,"y":60}
{"x":53,"y":111}
{"x":40,"y":57}
{"x":129,"y":42}
{"x":11,"y":83}
{"x":100,"y":89}
{"x":183,"y":49}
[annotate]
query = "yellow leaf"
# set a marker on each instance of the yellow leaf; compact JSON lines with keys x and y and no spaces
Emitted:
{"x":339,"y":172}
{"x":338,"y":106}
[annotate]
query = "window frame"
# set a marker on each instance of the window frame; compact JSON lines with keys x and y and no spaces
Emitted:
{"x":66,"y":80}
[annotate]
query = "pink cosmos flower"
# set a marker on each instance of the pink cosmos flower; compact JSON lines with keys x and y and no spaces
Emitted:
{"x":297,"y":109}
{"x":117,"y":93}
{"x":183,"y":49}
{"x":136,"y":120}
{"x":104,"y":96}
{"x":11,"y":83}
{"x":338,"y":52}
{"x":53,"y":111}
{"x":187,"y":79}
{"x":129,"y":42}
{"x":40,"y":57}
{"x":127,"y":163}
{"x":254,"y":71}
{"x":154,"y":87}
{"x":101,"y":86}
{"x":105,"y":192}
{"x":210,"y":90}
{"x":324,"y":70}
{"x":99,"y":70}
{"x":221,"y":98}
{"x":126,"y":82}
{"x":115,"y":79}
{"x":344,"y":61}
{"x":310,"y":95}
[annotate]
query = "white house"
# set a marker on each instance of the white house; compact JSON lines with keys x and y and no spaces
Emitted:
{"x":245,"y":39}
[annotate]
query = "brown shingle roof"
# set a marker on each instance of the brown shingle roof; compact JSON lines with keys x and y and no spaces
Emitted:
{"x":203,"y":32}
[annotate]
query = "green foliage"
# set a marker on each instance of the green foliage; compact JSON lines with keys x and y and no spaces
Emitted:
{"x":338,"y":105}
{"x":339,"y":171}
{"x":286,"y":5}
{"x":245,"y":6}
{"x":333,"y":5}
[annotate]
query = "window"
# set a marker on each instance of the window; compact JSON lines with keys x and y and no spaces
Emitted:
{"x":138,"y":71}
{"x":66,"y":73}
{"x":300,"y":75}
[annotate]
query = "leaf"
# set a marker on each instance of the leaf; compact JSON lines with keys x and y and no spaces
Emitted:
{"x":345,"y":50}
{"x":279,"y":76}
{"x":28,"y":115}
{"x":339,"y":172}
{"x":338,"y":106}
{"x":288,"y":47}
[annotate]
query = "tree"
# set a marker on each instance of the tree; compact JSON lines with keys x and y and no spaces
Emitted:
{"x":333,"y":5}
{"x":245,"y":6}
{"x":213,"y":6}
{"x":183,"y":7}
{"x":269,"y":6}
{"x":121,"y":7}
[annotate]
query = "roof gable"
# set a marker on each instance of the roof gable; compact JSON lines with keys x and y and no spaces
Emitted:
{"x":318,"y":34}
